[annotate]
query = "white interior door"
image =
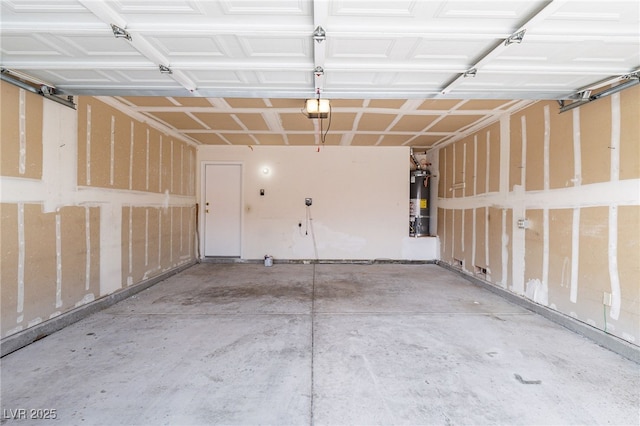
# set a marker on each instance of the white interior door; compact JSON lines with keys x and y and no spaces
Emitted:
{"x":223,"y":210}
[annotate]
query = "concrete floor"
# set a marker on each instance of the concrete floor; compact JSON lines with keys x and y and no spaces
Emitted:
{"x":322,"y":345}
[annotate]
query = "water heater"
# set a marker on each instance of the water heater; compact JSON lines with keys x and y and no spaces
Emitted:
{"x":419,"y":203}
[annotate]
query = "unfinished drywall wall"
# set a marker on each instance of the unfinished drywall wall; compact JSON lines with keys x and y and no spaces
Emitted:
{"x":93,"y":200}
{"x":572,"y":180}
{"x":360,"y":201}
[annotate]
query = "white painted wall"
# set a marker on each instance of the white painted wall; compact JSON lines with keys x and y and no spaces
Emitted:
{"x":360,"y":202}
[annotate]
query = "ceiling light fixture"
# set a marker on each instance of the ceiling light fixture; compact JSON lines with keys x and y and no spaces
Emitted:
{"x":319,"y":34}
{"x":120,"y":32}
{"x":515,"y":38}
{"x":317,"y":108}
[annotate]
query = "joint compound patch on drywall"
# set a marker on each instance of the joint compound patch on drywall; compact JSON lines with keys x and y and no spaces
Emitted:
{"x":523,"y":165}
{"x":547,"y":141}
{"x":614,"y":148}
{"x":147,"y":162}
{"x":575,"y":255}
{"x":22,"y":163}
{"x":58,"y":261}
{"x":21,"y":260}
{"x":146,"y":237}
{"x":577,"y":149}
{"x":87,"y":230}
{"x":331,"y":241}
{"x":536,"y":291}
{"x":88,"y":146}
{"x":130,"y":237}
{"x":112,"y":147}
{"x":160,"y":165}
{"x":613,"y":263}
{"x":545,"y":250}
{"x":505,"y":249}
{"x":131,"y":149}
{"x":88,"y":298}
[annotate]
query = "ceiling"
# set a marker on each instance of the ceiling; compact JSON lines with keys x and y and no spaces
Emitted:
{"x":398,"y":72}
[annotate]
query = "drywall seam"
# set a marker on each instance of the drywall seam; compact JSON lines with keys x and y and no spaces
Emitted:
{"x":192,"y":161}
{"x":615,"y":137}
{"x":171,"y":167}
{"x":475,"y":165}
{"x":87,"y":230}
{"x":464,"y":191}
{"x":486,"y":190}
{"x":131,"y":139}
{"x":453,"y":234}
{"x":171,"y":235}
{"x":487,"y":163}
{"x":545,"y":256}
{"x":160,"y":166}
{"x":191,"y":233}
{"x":58,"y":261}
{"x":545,"y":212}
{"x":453,"y":174}
{"x":181,"y":228}
{"x":523,"y":160}
{"x":464,"y":165}
{"x":577,"y":148}
{"x":21,"y":190}
{"x":505,"y":145}
{"x":613,"y":210}
{"x":575,"y":230}
{"x":444,"y":231}
{"x":518,"y":237}
{"x":88,"y":143}
{"x":505,"y":249}
{"x":575,"y":255}
{"x":473,"y":238}
{"x":22,"y":126}
{"x":130,"y":243}
{"x":445,"y":188}
{"x":518,"y":244}
{"x":547,"y":140}
{"x":613,"y":263}
{"x":21,"y":263}
{"x":625,"y":192}
{"x":147,"y":164}
{"x":146,"y":237}
{"x":159,"y":238}
{"x":453,"y":195}
{"x":181,"y":169}
{"x":112,"y":153}
{"x":475,"y":192}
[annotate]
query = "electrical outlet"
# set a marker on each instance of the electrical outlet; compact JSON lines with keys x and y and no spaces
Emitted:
{"x":308,"y":201}
{"x":606,"y":299}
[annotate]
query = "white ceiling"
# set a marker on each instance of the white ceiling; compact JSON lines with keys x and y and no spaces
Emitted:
{"x":393,"y":50}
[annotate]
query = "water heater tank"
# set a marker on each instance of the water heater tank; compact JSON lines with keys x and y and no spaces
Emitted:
{"x":419,"y":203}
